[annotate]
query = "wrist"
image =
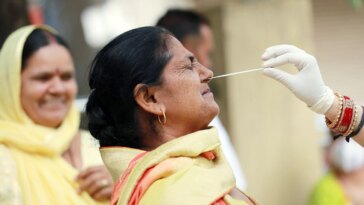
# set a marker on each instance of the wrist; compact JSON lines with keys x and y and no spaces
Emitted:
{"x":325,"y":102}
{"x":331,"y":114}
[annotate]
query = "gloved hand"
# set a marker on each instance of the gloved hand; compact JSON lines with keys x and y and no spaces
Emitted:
{"x":307,"y":84}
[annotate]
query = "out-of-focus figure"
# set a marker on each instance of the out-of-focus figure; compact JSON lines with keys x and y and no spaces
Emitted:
{"x":343,"y":184}
{"x":44,"y":157}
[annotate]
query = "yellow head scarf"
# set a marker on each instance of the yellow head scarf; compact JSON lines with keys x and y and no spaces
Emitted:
{"x":43,"y":175}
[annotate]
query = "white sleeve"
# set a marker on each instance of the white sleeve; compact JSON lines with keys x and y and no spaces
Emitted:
{"x":230,"y":153}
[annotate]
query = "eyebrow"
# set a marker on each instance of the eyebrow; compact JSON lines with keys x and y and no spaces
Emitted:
{"x":47,"y":72}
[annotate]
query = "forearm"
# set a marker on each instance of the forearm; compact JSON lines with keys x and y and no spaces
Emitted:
{"x":332,"y":113}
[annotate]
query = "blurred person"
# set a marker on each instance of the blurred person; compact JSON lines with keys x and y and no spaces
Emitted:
{"x":150,"y":107}
{"x":344,"y":117}
{"x":44,"y":157}
{"x":343,"y":184}
{"x":193,"y":31}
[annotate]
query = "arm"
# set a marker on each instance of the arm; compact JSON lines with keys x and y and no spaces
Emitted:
{"x":331,"y":114}
{"x":307,"y":84}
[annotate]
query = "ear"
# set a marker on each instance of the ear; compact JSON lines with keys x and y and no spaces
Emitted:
{"x":144,"y":96}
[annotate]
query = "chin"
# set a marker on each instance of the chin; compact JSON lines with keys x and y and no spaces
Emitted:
{"x":53,"y":121}
{"x":216,"y":109}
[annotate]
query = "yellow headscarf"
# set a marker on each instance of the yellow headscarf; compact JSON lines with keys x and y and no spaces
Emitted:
{"x":43,"y":175}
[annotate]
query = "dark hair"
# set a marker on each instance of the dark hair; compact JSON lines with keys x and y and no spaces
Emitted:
{"x":38,"y":39}
{"x":182,"y":23}
{"x":136,"y":56}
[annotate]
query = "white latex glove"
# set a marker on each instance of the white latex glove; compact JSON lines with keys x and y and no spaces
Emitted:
{"x":307,"y":84}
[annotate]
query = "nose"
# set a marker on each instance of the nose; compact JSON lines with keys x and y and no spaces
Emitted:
{"x":205,"y":74}
{"x":56,"y":86}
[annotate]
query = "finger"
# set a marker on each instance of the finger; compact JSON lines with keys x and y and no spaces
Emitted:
{"x":91,"y":182}
{"x":281,"y":76}
{"x":278,"y":50}
{"x":97,"y":186}
{"x":85,"y":173}
{"x":104,"y":193}
{"x":298,"y":59}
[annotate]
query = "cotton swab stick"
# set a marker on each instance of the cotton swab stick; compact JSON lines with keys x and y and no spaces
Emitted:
{"x":237,"y":73}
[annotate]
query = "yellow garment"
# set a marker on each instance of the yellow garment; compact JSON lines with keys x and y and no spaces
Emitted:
{"x":43,"y":175}
{"x":328,"y":191}
{"x":190,"y":179}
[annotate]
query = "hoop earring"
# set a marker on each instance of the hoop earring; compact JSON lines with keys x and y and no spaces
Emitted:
{"x":164,"y":118}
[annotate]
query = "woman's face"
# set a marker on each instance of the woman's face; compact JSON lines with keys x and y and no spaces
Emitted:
{"x":185,"y":92}
{"x":48,"y":85}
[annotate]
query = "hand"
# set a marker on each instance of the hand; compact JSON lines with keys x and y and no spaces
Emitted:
{"x":96,"y":181}
{"x":307,"y":84}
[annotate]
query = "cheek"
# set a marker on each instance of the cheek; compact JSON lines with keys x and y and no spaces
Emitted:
{"x":31,"y":94}
{"x":72,"y":89}
{"x":30,"y":98}
{"x":189,"y":95}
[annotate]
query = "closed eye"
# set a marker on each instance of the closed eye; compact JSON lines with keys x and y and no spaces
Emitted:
{"x":193,"y":62}
{"x":67,"y":76}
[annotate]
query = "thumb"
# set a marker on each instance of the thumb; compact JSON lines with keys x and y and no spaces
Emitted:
{"x":281,"y":76}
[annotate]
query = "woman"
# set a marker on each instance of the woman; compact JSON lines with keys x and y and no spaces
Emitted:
{"x":150,"y":108}
{"x":42,"y":153}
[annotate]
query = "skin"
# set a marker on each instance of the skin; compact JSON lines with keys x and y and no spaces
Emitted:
{"x":184,"y":96}
{"x":48,"y":88}
{"x":48,"y":85}
{"x":332,"y":112}
{"x":201,"y":46}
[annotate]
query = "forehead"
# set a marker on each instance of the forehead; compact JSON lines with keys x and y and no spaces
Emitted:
{"x":49,"y":57}
{"x":178,"y":51}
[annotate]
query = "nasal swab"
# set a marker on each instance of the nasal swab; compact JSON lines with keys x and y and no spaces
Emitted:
{"x":237,"y":73}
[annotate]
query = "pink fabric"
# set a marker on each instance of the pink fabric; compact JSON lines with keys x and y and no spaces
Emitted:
{"x":119,"y":184}
{"x":163,"y":169}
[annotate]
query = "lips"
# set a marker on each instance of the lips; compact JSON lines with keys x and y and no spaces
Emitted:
{"x":54,"y":104}
{"x":206,"y":91}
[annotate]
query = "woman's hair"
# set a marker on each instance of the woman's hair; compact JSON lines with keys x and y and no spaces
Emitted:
{"x":134,"y":57}
{"x":37,"y":39}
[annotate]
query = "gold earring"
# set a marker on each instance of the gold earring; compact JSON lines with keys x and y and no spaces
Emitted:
{"x":164,"y":118}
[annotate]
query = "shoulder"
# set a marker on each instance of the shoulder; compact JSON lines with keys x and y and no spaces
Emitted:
{"x":9,"y":190}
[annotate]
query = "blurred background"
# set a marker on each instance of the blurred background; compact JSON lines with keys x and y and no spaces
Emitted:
{"x":277,"y":138}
